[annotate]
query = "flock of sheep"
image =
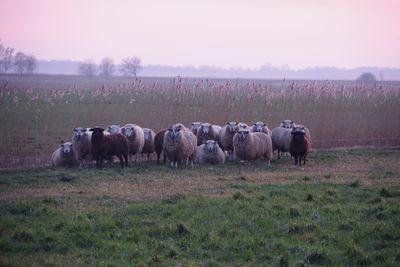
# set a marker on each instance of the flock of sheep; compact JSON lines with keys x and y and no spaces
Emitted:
{"x":204,"y":143}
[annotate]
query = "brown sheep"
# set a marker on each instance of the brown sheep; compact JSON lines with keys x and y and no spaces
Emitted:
{"x":300,"y":145}
{"x":104,"y":146}
{"x":159,"y":144}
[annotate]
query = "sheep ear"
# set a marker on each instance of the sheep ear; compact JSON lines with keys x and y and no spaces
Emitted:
{"x":91,"y":129}
{"x":264,"y":124}
{"x":283,"y":121}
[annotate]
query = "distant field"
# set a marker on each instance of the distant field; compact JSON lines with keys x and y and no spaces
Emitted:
{"x":341,"y":209}
{"x":38,"y":112}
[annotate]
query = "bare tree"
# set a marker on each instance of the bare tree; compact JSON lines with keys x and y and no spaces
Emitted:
{"x":31,"y":64}
{"x":6,"y":59}
{"x":130,"y":66}
{"x":106,"y":67}
{"x":20,"y":61}
{"x":87,"y":68}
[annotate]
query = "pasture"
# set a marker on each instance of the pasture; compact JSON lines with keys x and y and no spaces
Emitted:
{"x":340,"y":209}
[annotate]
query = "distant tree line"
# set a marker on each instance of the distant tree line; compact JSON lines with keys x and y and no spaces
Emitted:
{"x":11,"y":62}
{"x":129,"y":66}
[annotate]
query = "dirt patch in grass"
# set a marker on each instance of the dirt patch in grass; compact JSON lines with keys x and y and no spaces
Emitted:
{"x":155,"y":182}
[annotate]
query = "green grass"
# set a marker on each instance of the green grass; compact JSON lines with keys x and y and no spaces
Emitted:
{"x":341,"y":209}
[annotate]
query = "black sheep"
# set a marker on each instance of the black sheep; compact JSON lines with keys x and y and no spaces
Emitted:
{"x":300,"y":145}
{"x":104,"y":146}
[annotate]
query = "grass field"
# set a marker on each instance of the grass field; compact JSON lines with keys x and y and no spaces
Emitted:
{"x":341,"y":209}
{"x":38,"y":112}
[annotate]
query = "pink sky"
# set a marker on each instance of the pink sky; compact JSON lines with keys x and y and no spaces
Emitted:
{"x":222,"y":33}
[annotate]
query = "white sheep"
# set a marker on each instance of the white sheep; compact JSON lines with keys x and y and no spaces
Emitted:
{"x":81,"y":145}
{"x":135,"y":135}
{"x":64,"y":156}
{"x":180,"y":145}
{"x":149,"y":146}
{"x":210,"y":153}
{"x":281,"y":139}
{"x":251,"y":146}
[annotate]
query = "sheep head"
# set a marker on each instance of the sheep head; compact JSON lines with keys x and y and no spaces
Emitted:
{"x":211,"y":145}
{"x":298,"y":134}
{"x":287,"y":124}
{"x":79,"y":133}
{"x":174,"y":130}
{"x":259,"y":126}
{"x":97,"y":132}
{"x":128,"y":131}
{"x":242,"y":134}
{"x":66,"y":148}
{"x":205,"y":128}
{"x":195,"y":126}
{"x":146,"y":135}
{"x":232,"y":126}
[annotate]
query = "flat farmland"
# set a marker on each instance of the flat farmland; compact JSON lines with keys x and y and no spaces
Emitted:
{"x":340,"y":209}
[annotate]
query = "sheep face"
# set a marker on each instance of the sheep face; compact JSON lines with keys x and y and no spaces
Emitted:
{"x":298,"y":134}
{"x":146,"y":135}
{"x":287,"y":124}
{"x":195,"y":126}
{"x":211,"y":145}
{"x":233,"y":126}
{"x":205,"y":128}
{"x":242,"y":134}
{"x":67,"y":148}
{"x":127,"y":131}
{"x":259,"y":126}
{"x":174,"y":130}
{"x":97,"y":131}
{"x":79,"y":132}
{"x":112,"y":129}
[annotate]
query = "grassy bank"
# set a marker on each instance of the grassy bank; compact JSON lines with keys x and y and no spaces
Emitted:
{"x":340,"y":209}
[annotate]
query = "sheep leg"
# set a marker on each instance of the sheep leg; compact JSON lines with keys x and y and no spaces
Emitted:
{"x":269,"y":163}
{"x":279,"y":154}
{"x":295,"y":160}
{"x":121,"y":160}
{"x":172,"y":164}
{"x":304,"y":162}
{"x":165,"y":158}
{"x":126,"y":159}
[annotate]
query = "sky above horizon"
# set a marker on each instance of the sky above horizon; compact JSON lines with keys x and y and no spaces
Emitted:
{"x":225,"y":33}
